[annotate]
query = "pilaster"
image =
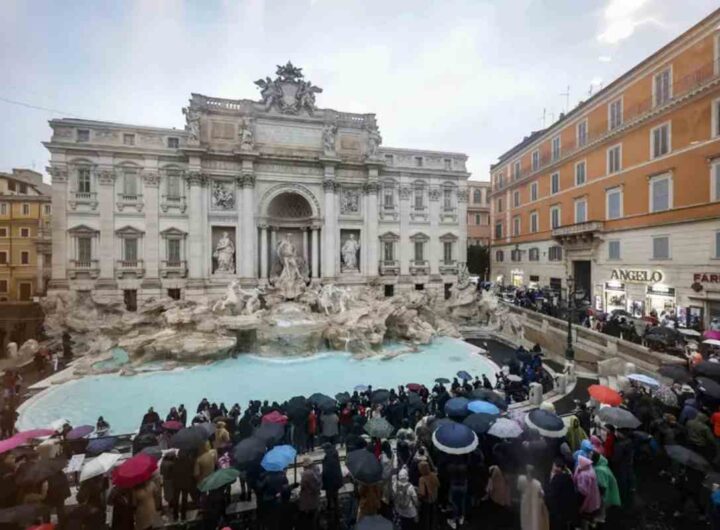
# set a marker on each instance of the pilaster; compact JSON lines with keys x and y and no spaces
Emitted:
{"x":434,"y":248}
{"x":248,"y":222}
{"x":152,"y":228}
{"x":195,"y":235}
{"x":106,"y":207}
{"x":462,"y":200}
{"x":371,"y":223}
{"x":404,"y":243}
{"x":59,"y":226}
{"x":330,"y":227}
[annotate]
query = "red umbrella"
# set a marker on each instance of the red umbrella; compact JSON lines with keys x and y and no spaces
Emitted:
{"x":11,"y":443}
{"x":35,"y":433}
{"x":172,"y":425}
{"x":134,"y":471}
{"x":605,"y":395}
{"x":414,"y":387}
{"x":275,"y":417}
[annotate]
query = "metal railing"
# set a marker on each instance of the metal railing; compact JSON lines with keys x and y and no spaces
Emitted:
{"x":130,"y":197}
{"x":84,"y":263}
{"x":86,"y":195}
{"x":680,"y":89}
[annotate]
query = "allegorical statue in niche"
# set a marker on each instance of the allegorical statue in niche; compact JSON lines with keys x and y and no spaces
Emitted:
{"x":290,"y":283}
{"x":225,"y":254}
{"x":349,"y":253}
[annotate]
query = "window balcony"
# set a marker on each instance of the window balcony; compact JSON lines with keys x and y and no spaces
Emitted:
{"x":173,"y":268}
{"x":448,"y":266}
{"x":419,"y":267}
{"x":80,"y":198}
{"x":129,"y":267}
{"x":173,"y":201}
{"x":389,"y":267}
{"x":130,"y":199}
{"x":78,"y":268}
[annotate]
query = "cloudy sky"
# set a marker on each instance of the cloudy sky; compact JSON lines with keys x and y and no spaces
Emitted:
{"x":461,"y":75}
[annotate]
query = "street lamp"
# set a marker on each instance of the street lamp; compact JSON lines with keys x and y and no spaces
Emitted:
{"x":569,"y":352}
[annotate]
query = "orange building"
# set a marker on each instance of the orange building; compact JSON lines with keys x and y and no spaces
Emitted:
{"x":622,"y":194}
{"x":478,"y":213}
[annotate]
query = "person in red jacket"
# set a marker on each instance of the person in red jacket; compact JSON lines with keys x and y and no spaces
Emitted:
{"x":311,"y":429}
{"x":715,"y":420}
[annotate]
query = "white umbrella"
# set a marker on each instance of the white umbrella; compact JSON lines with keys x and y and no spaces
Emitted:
{"x":514,"y":378}
{"x":712,"y":342}
{"x":99,"y":466}
{"x":58,"y":424}
{"x":690,"y":332}
{"x":505,"y":428}
{"x":644,"y":379}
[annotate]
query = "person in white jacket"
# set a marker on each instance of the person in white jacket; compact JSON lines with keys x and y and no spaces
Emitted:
{"x":405,"y":499}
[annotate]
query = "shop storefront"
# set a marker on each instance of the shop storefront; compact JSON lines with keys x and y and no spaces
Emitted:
{"x":637,"y":291}
{"x":534,"y":282}
{"x":661,"y":299}
{"x":615,"y":296}
{"x":704,"y":300}
{"x":517,"y":278}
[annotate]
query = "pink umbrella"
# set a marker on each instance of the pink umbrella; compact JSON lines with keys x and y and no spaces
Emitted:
{"x":35,"y":433}
{"x":172,"y":425}
{"x":275,"y":417}
{"x":710,"y":334}
{"x":11,"y":443}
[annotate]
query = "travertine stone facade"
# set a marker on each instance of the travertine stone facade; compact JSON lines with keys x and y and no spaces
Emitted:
{"x":143,"y":211}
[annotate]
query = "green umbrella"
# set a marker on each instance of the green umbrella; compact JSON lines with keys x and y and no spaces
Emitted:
{"x":220,"y":478}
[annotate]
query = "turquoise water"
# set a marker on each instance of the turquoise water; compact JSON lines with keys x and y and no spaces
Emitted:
{"x":122,"y":400}
{"x":119,"y":358}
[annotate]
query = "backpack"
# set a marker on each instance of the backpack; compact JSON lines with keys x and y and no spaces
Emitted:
{"x":402,"y":498}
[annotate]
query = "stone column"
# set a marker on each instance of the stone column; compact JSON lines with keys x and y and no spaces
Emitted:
{"x":248,"y":226}
{"x":263,"y":253}
{"x":371,"y":223}
{"x":315,"y":253}
{"x":434,"y":246}
{"x":106,"y":207}
{"x":462,"y":200}
{"x":273,"y":246}
{"x":195,"y":236}
{"x":404,"y":250}
{"x":306,"y":254}
{"x":59,"y":227}
{"x":330,"y":226}
{"x":152,"y":230}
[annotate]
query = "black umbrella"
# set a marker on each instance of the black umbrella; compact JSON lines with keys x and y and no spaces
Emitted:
{"x":379,"y":428}
{"x":297,"y":408}
{"x":687,"y":457}
{"x":488,"y":395}
{"x":153,"y":451}
{"x":23,"y":514}
{"x":442,"y":380}
{"x":414,"y":402}
{"x":144,"y":440}
{"x":480,"y":422}
{"x":187,"y":439}
{"x":318,"y":398}
{"x":328,"y":405}
{"x":342,"y":397}
{"x":708,"y":387}
{"x":379,"y":396}
{"x":270,"y":433}
{"x":676,"y":372}
{"x":712,"y":478}
{"x":618,"y":417}
{"x":364,"y":466}
{"x":39,"y":471}
{"x":249,"y":451}
{"x":708,"y":369}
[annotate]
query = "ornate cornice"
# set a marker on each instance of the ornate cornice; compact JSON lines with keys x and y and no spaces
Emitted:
{"x":152,"y":179}
{"x":329,"y":185}
{"x":196,"y":178}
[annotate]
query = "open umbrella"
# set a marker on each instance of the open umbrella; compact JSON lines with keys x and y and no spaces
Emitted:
{"x":100,"y":445}
{"x":364,"y":466}
{"x":379,"y":396}
{"x":414,"y":402}
{"x":455,"y":439}
{"x":644,"y":379}
{"x":249,"y":451}
{"x":98,"y":466}
{"x":708,"y":369}
{"x":708,"y":387}
{"x":456,"y":407}
{"x":677,"y":372}
{"x":80,"y":432}
{"x":505,"y":428}
{"x":462,"y":374}
{"x":437,"y":423}
{"x":687,"y":457}
{"x":546,"y":423}
{"x":153,"y":451}
{"x":479,"y":422}
{"x":172,"y":425}
{"x":620,"y":418}
{"x":414,"y":387}
{"x":379,"y":428}
{"x":275,"y":417}
{"x":23,"y":514}
{"x":318,"y":398}
{"x":514,"y":378}
{"x":219,"y":479}
{"x":666,"y":396}
{"x":206,"y":429}
{"x":485,"y":407}
{"x":343,"y":397}
{"x":187,"y":439}
{"x":442,"y":380}
{"x":374,"y":522}
{"x":39,"y":471}
{"x":297,"y":408}
{"x":11,"y":443}
{"x":361,"y":388}
{"x":58,"y":424}
{"x":713,"y":477}
{"x":605,"y":394}
{"x":134,"y":471}
{"x":278,"y":458}
{"x":35,"y":433}
{"x":271,"y":433}
{"x":488,"y":395}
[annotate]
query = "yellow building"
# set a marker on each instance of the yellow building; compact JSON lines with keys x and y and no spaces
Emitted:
{"x":25,"y":237}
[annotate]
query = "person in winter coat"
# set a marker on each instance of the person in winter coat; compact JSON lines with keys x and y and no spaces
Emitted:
{"x":92,"y":495}
{"x":586,"y":485}
{"x":428,"y":488}
{"x":123,"y":517}
{"x":330,"y":429}
{"x":58,"y":490}
{"x":498,"y":490}
{"x":311,"y":430}
{"x":405,"y":500}
{"x":699,"y":436}
{"x":369,"y":500}
{"x":622,"y":465}
{"x":143,"y":497}
{"x":205,"y":463}
{"x":183,"y":483}
{"x":309,"y":500}
{"x":332,"y":479}
{"x":560,"y":497}
{"x":533,"y":512}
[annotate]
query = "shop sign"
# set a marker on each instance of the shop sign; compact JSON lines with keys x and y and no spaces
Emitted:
{"x":630,"y":275}
{"x":704,"y":277}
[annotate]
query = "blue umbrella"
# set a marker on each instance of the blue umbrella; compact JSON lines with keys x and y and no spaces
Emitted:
{"x":456,"y":407}
{"x":462,"y":374}
{"x":546,"y":423}
{"x":483,"y":407}
{"x":644,"y":379}
{"x":278,"y":458}
{"x":100,"y":445}
{"x":455,"y":439}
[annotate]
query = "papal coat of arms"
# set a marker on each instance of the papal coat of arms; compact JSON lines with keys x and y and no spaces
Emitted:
{"x":288,"y":92}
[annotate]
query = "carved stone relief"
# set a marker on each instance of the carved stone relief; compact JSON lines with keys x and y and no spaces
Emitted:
{"x":223,"y":196}
{"x":350,"y":201}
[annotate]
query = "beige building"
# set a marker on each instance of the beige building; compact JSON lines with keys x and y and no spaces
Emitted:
{"x":478,"y":213}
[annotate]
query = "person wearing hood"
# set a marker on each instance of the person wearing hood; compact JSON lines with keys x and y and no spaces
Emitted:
{"x":309,"y":500}
{"x":699,"y":436}
{"x":332,"y":479}
{"x":586,"y":450}
{"x":222,"y":436}
{"x":607,"y":484}
{"x":405,"y":500}
{"x":428,"y":488}
{"x":688,"y":412}
{"x":533,"y":511}
{"x":575,"y":434}
{"x":586,"y":485}
{"x":561,"y":498}
{"x":497,"y":488}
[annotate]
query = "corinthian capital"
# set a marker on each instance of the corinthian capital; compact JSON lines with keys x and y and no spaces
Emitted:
{"x":329,"y":185}
{"x":152,"y":180}
{"x":59,"y":174}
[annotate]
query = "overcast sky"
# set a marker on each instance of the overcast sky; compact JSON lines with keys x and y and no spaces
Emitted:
{"x":460,"y":75}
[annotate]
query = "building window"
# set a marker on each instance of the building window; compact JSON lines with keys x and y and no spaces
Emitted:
{"x":534,"y":254}
{"x":47,"y":208}
{"x":130,"y":184}
{"x":84,"y":249}
{"x":25,"y":209}
{"x":3,"y":208}
{"x":24,"y":258}
{"x":447,"y":199}
{"x":614,"y":203}
{"x":419,"y":247}
{"x":477,"y":219}
{"x":581,"y":132}
{"x":660,"y":140}
{"x":173,"y":143}
{"x":534,"y":191}
{"x":3,"y":257}
{"x":128,"y":139}
{"x":516,"y":198}
{"x":23,"y":189}
{"x":715,"y":181}
{"x":24,"y":232}
{"x":173,"y":186}
{"x":581,"y":210}
{"x":516,"y":255}
{"x":389,"y":159}
{"x":3,"y":232}
{"x":715,"y":117}
{"x":83,"y":135}
{"x":83,"y":180}
{"x":448,"y":252}
{"x":499,"y":205}
{"x":555,"y":217}
{"x":516,"y":170}
{"x":580,"y":173}
{"x":11,"y":185}
{"x":447,"y":163}
{"x":173,"y":251}
{"x":516,"y":226}
{"x":418,"y":161}
{"x":498,"y":231}
{"x":388,"y":251}
{"x":555,"y":253}
{"x":554,"y":183}
{"x":174,"y":293}
{"x":419,"y":196}
{"x":614,"y":159}
{"x":662,"y":87}
{"x":130,"y":249}
{"x":534,"y":222}
{"x":3,"y":286}
{"x":535,"y":160}
{"x":388,"y":198}
{"x":499,"y":256}
{"x":661,"y":247}
{"x":615,"y":114}
{"x":614,"y":250}
{"x":555,"y":143}
{"x":477,"y":196}
{"x":661,"y":193}
{"x":717,"y":244}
